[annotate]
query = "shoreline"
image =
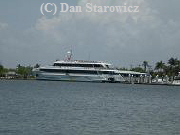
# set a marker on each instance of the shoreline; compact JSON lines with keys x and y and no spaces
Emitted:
{"x":30,"y":79}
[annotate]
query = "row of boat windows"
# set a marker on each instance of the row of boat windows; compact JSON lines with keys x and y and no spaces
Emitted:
{"x":177,"y":78}
{"x":77,"y":65}
{"x":127,"y":75}
{"x":78,"y":71}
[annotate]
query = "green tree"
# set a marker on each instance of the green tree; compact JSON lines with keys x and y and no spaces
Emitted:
{"x":23,"y":71}
{"x":3,"y":70}
{"x":145,"y":65}
{"x":173,"y":61}
{"x":174,"y":66}
{"x":138,"y":69}
{"x":160,"y":67}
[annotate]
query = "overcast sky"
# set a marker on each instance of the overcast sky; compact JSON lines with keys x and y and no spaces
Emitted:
{"x":123,"y":39}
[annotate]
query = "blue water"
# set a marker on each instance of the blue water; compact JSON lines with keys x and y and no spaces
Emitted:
{"x":79,"y":108}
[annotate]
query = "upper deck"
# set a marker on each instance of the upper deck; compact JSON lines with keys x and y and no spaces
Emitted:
{"x":82,"y":63}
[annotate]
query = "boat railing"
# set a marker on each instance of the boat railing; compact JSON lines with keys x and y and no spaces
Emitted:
{"x":100,"y":68}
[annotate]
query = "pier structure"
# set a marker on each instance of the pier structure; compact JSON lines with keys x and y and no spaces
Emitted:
{"x":135,"y":77}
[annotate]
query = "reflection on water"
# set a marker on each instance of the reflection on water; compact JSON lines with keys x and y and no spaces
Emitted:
{"x":76,"y":108}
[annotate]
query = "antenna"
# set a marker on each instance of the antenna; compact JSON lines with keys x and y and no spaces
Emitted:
{"x":69,"y":55}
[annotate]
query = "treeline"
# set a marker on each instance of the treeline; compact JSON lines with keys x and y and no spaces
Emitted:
{"x":171,"y":68}
{"x":22,"y":72}
{"x":3,"y":70}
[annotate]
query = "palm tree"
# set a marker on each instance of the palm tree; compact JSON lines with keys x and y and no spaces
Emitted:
{"x":145,"y":64}
{"x":173,"y":66}
{"x":173,"y":61}
{"x":160,"y":66}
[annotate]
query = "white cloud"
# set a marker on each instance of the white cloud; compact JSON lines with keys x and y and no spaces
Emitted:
{"x":122,"y":38}
{"x":114,"y":23}
{"x":112,"y":33}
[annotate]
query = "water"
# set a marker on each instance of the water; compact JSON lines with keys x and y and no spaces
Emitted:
{"x":78,"y":108}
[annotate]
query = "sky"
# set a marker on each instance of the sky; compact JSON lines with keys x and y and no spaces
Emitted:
{"x":124,"y":39}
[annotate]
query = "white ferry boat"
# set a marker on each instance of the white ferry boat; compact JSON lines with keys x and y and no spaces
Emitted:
{"x":79,"y":70}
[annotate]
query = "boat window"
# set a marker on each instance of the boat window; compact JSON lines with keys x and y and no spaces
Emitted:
{"x":177,"y":78}
{"x":79,"y":71}
{"x":77,"y":65}
{"x":70,"y":71}
{"x":107,"y":66}
{"x":97,"y":65}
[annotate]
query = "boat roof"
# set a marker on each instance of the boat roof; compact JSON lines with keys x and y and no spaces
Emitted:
{"x":81,"y":62}
{"x":131,"y":72}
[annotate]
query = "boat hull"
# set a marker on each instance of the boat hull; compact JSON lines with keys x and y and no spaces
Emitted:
{"x":78,"y":77}
{"x":176,"y":82}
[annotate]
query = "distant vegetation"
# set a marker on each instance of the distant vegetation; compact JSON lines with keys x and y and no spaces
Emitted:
{"x":171,"y":68}
{"x":24,"y":72}
{"x":21,"y":72}
{"x":3,"y":70}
